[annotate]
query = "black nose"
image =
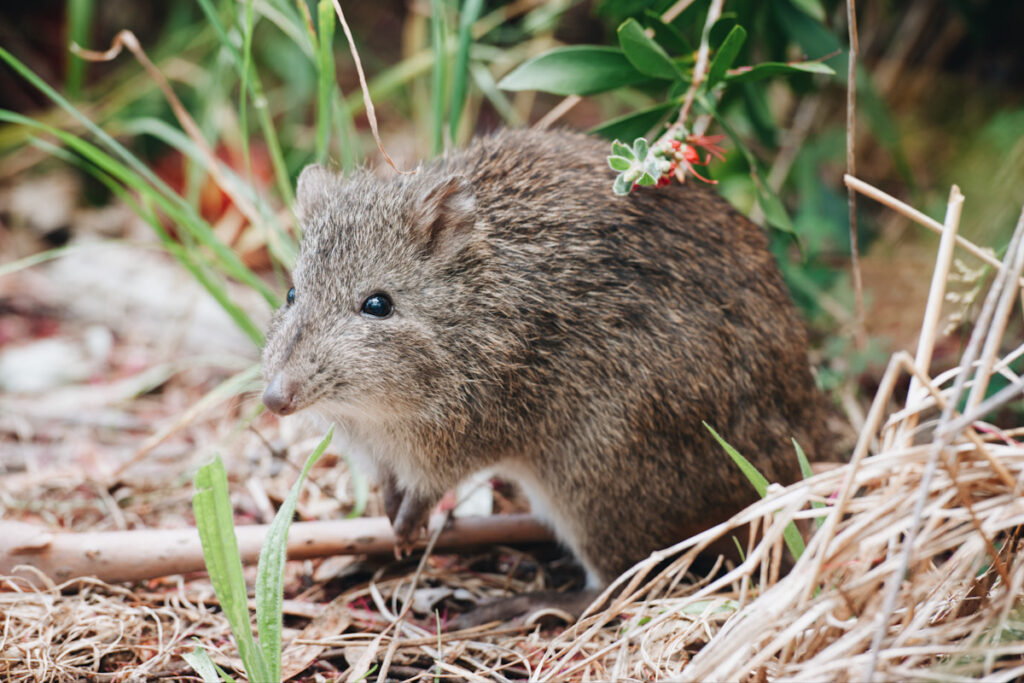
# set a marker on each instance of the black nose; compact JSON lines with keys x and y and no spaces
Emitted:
{"x":279,"y":396}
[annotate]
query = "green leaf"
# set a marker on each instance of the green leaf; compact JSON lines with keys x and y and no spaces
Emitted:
{"x":621,"y":185}
{"x":622,"y":150}
{"x":574,"y":70}
{"x":270,"y":570}
{"x":199,"y":660}
{"x":621,"y":8}
{"x":191,"y":259}
{"x":211,"y":505}
{"x":619,"y":163}
{"x":774,"y":211}
{"x":807,"y":473}
{"x":668,"y":35}
{"x":640,"y":149}
{"x":460,"y":76}
{"x":813,"y":37}
{"x":794,"y":541}
{"x":805,"y":465}
{"x":773,"y":208}
{"x":725,"y":55}
{"x":749,"y":471}
{"x":766,"y":69}
{"x":811,"y":7}
{"x":636,"y":124}
{"x":646,"y":55}
{"x":439,"y":72}
{"x":325,"y":80}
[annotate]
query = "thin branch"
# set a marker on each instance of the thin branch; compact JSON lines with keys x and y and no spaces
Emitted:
{"x":145,"y":554}
{"x":859,"y":335}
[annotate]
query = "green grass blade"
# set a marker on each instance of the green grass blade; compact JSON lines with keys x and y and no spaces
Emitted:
{"x":794,"y":541}
{"x":460,"y":77}
{"x":243,"y":91}
{"x":255,"y":88}
{"x":200,"y":661}
{"x":281,"y":245}
{"x":212,"y":507}
{"x":749,"y":471}
{"x":439,"y":77}
{"x":774,"y":210}
{"x":270,"y":572}
{"x":486,"y":84}
{"x":80,"y":15}
{"x":229,"y":259}
{"x":805,"y":465}
{"x":190,"y":259}
{"x":325,"y":82}
{"x":807,"y":473}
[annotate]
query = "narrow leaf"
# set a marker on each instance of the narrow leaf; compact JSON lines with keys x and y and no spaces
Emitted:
{"x":325,"y":81}
{"x":725,"y":55}
{"x":211,"y":505}
{"x":199,"y":660}
{"x":636,"y":124}
{"x":774,"y":211}
{"x":460,"y":77}
{"x":764,"y":70}
{"x":574,"y":70}
{"x":807,"y":473}
{"x":668,"y":35}
{"x":646,"y":55}
{"x":270,"y":570}
{"x":811,"y":7}
{"x":791,"y":535}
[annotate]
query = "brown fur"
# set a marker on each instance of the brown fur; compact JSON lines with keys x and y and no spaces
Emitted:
{"x":572,"y":339}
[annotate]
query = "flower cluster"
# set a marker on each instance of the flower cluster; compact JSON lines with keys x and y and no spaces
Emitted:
{"x":674,"y":154}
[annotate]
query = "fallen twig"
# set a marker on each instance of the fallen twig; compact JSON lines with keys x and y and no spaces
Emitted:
{"x":145,"y":554}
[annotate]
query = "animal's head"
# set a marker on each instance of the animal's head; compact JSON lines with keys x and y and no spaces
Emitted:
{"x":377,"y":290}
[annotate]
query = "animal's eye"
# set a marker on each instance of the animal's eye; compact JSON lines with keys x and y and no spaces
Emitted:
{"x":291,"y":296}
{"x":377,"y":306}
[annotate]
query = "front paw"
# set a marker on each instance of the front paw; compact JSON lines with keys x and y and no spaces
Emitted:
{"x":411,"y":520}
{"x":409,"y":513}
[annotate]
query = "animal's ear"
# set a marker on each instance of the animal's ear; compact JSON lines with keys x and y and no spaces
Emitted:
{"x":445,"y":215}
{"x":313,"y":186}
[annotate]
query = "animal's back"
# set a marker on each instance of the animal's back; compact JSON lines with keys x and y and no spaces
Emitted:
{"x":645,"y":316}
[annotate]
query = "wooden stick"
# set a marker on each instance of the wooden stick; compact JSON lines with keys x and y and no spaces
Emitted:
{"x":114,"y":556}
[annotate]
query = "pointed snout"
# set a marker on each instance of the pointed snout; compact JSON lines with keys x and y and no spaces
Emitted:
{"x":279,"y":395}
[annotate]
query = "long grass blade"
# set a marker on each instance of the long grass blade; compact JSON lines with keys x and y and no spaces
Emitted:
{"x":460,"y":75}
{"x":80,"y":15}
{"x":228,"y":259}
{"x":794,"y":541}
{"x":191,"y":259}
{"x":243,"y":91}
{"x":439,"y":77}
{"x":325,"y":82}
{"x":214,"y":520}
{"x":270,"y":570}
{"x":255,"y":89}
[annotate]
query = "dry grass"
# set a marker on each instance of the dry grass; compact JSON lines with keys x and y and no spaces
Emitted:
{"x":913,"y":573}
